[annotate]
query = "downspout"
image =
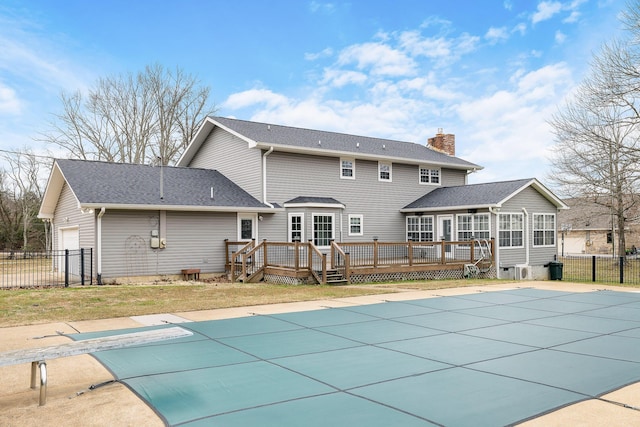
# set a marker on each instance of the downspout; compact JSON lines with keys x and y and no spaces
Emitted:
{"x":526,"y":236}
{"x":264,"y":177}
{"x":496,"y":249}
{"x":99,"y":246}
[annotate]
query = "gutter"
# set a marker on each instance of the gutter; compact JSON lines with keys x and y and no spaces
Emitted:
{"x":264,"y":177}
{"x":99,"y":246}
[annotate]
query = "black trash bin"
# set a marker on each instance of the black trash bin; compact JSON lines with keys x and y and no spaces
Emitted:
{"x":555,"y":270}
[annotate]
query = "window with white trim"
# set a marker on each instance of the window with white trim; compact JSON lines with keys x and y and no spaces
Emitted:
{"x":347,"y":168}
{"x":472,"y":226}
{"x":296,"y":227}
{"x":322,"y":229}
{"x":544,"y":229}
{"x":384,"y":171}
{"x":511,"y":230}
{"x":355,"y":225}
{"x":420,"y":228}
{"x":428,"y":175}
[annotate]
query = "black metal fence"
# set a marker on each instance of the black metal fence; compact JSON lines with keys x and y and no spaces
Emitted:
{"x":604,"y":269}
{"x":28,"y":269}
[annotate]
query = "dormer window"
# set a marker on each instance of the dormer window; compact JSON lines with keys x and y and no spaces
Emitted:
{"x":384,"y":171}
{"x":347,"y":168}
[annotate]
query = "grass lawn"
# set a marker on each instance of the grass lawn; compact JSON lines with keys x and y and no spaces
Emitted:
{"x":33,"y":306}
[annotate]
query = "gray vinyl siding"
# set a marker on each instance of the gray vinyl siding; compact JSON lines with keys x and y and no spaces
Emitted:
{"x":291,"y":175}
{"x":68,"y":215}
{"x":232,"y":157}
{"x":452,"y":177}
{"x":194,"y":240}
{"x":534,"y":203}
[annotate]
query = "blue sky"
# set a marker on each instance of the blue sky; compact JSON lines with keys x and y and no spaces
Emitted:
{"x":490,"y":72}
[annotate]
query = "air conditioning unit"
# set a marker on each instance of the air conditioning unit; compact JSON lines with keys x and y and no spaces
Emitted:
{"x":523,"y":272}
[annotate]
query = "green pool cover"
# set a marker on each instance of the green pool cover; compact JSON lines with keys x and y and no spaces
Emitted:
{"x":482,"y":359}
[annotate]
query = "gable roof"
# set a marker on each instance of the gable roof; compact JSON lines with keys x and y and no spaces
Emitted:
{"x":131,"y":186}
{"x":487,"y":195}
{"x":317,"y":142}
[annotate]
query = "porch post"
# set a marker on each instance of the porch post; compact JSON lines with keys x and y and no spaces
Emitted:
{"x":264,"y":245}
{"x":410,"y":252}
{"x":324,"y":269}
{"x":443,"y":252}
{"x":473,"y":251}
{"x":375,"y":252}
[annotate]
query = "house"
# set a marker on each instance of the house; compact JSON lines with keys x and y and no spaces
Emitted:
{"x":589,"y":228}
{"x":242,"y":180}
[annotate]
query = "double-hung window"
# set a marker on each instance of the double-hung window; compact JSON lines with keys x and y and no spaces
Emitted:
{"x":420,"y":228}
{"x":384,"y":171}
{"x":511,"y":230}
{"x":347,"y":168}
{"x":473,"y":226}
{"x":428,"y":175}
{"x":355,"y":225}
{"x":544,"y":229}
{"x":296,"y":227}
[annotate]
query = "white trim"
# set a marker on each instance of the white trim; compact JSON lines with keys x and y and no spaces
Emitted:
{"x":361,"y":225}
{"x":521,"y":215}
{"x":363,"y":156}
{"x":390,"y":165}
{"x":473,"y":225}
{"x":429,"y":168}
{"x":302,"y":225}
{"x":313,"y":223}
{"x":433,"y":227}
{"x":439,"y":236}
{"x":353,"y":167}
{"x":254,"y":225}
{"x":183,"y":208}
{"x":315,"y":205}
{"x":554,"y":229}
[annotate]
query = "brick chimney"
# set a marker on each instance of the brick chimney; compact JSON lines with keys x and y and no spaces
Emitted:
{"x":443,"y":143}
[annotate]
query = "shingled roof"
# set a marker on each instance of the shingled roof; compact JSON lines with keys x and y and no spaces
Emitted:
{"x":119,"y":185}
{"x":492,"y":194}
{"x":287,"y":138}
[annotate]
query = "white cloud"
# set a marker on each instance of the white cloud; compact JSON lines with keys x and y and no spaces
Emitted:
{"x":316,"y":6}
{"x":520,"y":28}
{"x":512,"y":122}
{"x":324,"y":53}
{"x":495,"y":35}
{"x":9,"y":102}
{"x":560,"y":37}
{"x":546,"y":10}
{"x":340,"y":78}
{"x":254,"y":97}
{"x":379,"y":58}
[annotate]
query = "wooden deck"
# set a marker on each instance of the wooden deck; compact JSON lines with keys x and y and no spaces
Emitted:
{"x":358,"y":261}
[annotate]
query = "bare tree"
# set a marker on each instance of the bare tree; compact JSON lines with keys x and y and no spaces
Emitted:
{"x":597,"y":132}
{"x":132,"y":118}
{"x":25,"y":176}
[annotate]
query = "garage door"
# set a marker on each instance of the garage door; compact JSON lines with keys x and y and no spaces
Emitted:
{"x":573,"y":245}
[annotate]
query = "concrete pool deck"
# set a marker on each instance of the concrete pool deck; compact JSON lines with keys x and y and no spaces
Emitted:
{"x":71,"y":402}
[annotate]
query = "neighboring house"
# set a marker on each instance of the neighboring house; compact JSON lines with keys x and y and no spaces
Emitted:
{"x":242,"y":180}
{"x":590,"y":228}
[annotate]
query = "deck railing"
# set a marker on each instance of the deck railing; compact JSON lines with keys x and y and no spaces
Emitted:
{"x":248,"y":260}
